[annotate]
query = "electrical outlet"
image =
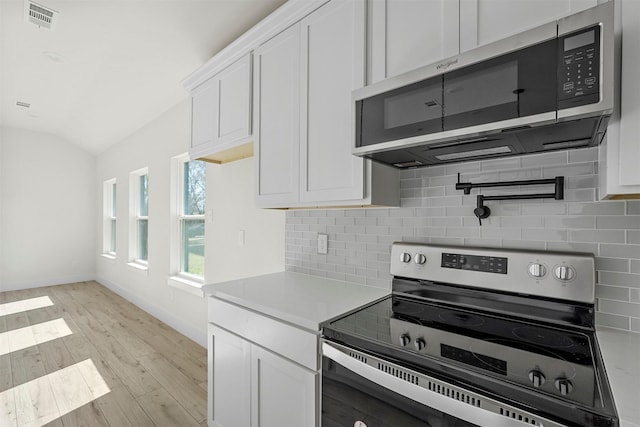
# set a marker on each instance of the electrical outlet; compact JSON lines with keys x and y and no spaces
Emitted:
{"x":323,"y":243}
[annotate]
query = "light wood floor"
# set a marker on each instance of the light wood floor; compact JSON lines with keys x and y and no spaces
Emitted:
{"x":87,"y":357}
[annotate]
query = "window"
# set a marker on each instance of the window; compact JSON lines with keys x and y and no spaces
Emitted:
{"x":109,"y":221}
{"x":187,"y":225}
{"x":139,"y":221}
{"x":192,"y":218}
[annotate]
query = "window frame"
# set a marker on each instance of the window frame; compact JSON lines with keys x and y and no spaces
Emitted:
{"x":136,"y":216}
{"x":187,"y":281}
{"x":110,"y":218}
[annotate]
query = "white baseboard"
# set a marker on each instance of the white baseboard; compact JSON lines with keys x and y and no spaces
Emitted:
{"x":4,"y":287}
{"x":199,"y":336}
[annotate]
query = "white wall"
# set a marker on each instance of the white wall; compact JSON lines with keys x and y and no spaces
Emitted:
{"x":229,"y":194}
{"x":231,"y":197}
{"x":47,"y":221}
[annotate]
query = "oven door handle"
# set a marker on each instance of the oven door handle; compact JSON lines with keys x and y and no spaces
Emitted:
{"x":444,"y":404}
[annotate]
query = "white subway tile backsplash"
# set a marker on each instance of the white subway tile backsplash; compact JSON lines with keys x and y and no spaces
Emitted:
{"x":612,"y":321}
{"x":620,"y":251}
{"x":597,"y":208}
{"x":553,"y":158}
{"x":585,"y":155}
{"x":547,"y":235}
{"x":620,"y":265}
{"x":633,"y":208}
{"x":612,"y":292}
{"x":434,"y":212}
{"x":633,"y":236}
{"x":588,"y":222}
{"x":619,"y":307}
{"x":630,"y":222}
{"x":598,"y":236}
{"x":620,"y":279}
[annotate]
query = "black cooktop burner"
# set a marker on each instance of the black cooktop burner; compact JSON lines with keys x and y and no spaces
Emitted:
{"x":543,"y":337}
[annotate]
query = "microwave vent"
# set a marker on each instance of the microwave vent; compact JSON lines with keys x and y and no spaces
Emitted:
{"x":40,"y":15}
{"x":475,"y":153}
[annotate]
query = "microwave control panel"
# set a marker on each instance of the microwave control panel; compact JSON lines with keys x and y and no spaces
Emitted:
{"x":579,"y":68}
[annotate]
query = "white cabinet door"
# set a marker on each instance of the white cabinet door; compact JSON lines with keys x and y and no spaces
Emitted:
{"x":234,"y":101}
{"x":333,"y":53}
{"x":284,"y":393}
{"x":277,"y":119}
{"x":407,"y":34}
{"x":229,"y":379}
{"x":485,"y":21}
{"x":221,"y":113}
{"x":204,"y":114}
{"x":630,"y":96}
{"x":619,"y":155}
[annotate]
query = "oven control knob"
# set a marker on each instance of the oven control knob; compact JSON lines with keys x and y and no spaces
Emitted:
{"x":419,"y":344}
{"x":564,"y":386}
{"x":405,"y":257}
{"x":537,"y":378}
{"x":564,"y":273}
{"x":405,"y":340}
{"x":537,"y":270}
{"x":420,"y":259}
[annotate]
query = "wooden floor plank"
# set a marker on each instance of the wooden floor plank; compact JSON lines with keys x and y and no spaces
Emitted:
{"x":88,"y":415}
{"x":151,"y":374}
{"x":165,"y":411}
{"x":181,"y":388}
{"x":121,"y":409}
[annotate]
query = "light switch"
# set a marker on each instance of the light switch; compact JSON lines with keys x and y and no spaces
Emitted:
{"x":323,"y":243}
{"x":240,"y":237}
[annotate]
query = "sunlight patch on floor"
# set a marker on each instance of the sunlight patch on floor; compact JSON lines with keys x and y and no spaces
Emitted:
{"x":19,"y":339}
{"x":40,"y":401}
{"x":24,"y":305}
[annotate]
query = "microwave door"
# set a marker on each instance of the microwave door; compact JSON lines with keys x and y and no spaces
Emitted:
{"x":510,"y":86}
{"x":409,"y":111}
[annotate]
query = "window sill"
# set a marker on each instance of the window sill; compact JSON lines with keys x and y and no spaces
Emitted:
{"x":187,"y":285}
{"x":110,"y":257}
{"x":140,"y":268}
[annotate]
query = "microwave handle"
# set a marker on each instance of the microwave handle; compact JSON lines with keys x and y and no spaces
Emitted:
{"x":444,"y":404}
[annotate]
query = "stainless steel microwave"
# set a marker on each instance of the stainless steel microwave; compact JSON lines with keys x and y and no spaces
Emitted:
{"x":549,"y":88}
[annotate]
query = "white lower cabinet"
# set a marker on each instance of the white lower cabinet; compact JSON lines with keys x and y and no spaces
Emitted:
{"x":283,"y":393}
{"x":229,"y":379}
{"x":262,"y":372}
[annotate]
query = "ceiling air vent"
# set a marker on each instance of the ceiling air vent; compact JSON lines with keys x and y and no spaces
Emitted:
{"x":40,"y":15}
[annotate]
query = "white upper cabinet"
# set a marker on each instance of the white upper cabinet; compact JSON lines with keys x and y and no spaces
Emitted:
{"x":234,"y":102}
{"x":333,"y":48}
{"x":303,"y":79}
{"x":620,"y":154}
{"x":221,"y":113}
{"x":407,"y":34}
{"x":485,"y":21}
{"x":204,"y":114}
{"x":277,"y":119}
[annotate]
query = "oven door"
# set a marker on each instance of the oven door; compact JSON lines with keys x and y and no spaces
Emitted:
{"x":361,"y":390}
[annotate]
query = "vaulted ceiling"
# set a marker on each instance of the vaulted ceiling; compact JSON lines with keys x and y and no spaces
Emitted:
{"x":109,"y":67}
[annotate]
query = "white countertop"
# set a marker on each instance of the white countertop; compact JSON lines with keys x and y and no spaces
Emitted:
{"x":300,"y":299}
{"x":621,"y":354}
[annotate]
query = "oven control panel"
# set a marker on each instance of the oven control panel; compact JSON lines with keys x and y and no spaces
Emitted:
{"x":561,"y":275}
{"x":486,"y":264}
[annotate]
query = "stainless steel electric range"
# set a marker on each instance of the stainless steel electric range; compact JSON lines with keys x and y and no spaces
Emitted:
{"x":471,"y":337}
